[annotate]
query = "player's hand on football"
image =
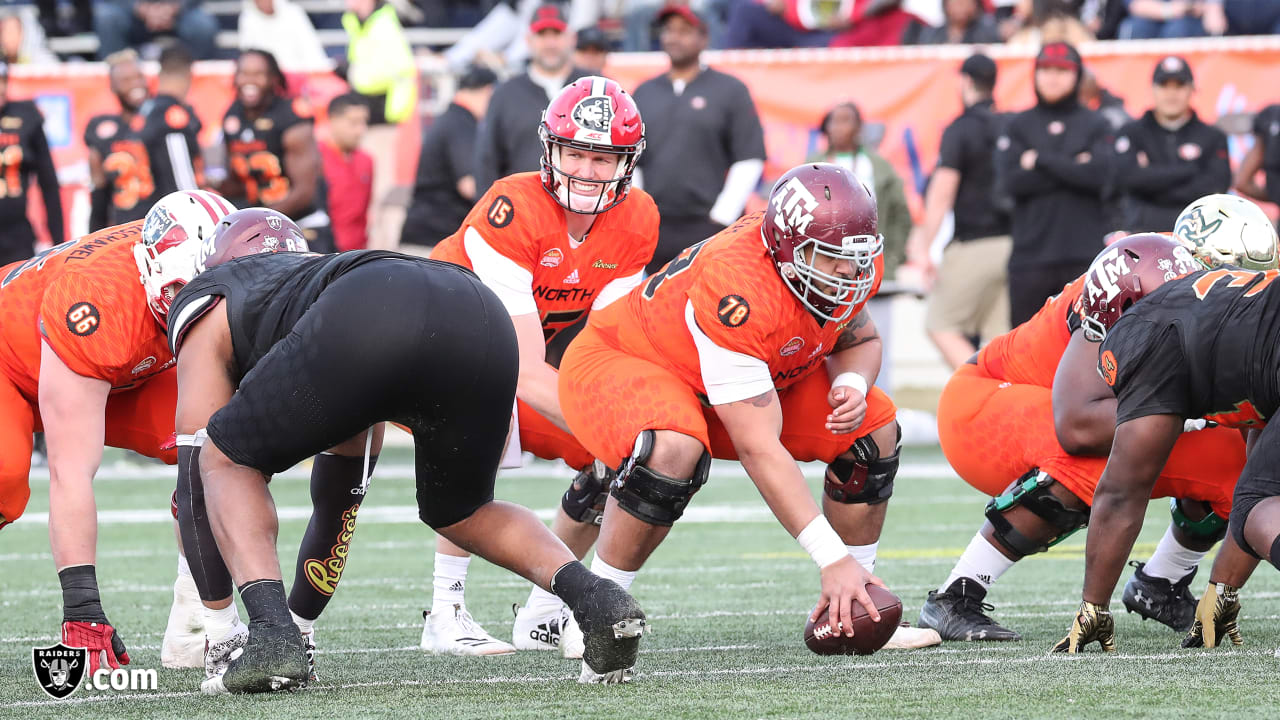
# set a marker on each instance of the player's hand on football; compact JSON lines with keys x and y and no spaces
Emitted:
{"x":99,"y":638}
{"x":844,"y":582}
{"x":1216,"y":615}
{"x":849,"y":409}
{"x":1093,"y":623}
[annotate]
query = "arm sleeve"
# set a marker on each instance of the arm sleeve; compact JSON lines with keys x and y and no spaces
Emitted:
{"x":511,"y":283}
{"x":616,"y":289}
{"x":728,"y":376}
{"x":184,"y":170}
{"x":739,"y":183}
{"x":47,"y":176}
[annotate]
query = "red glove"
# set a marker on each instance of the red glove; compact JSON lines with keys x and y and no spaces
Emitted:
{"x":99,"y":639}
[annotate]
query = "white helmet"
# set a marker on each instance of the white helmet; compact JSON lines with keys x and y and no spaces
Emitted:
{"x":1228,"y":230}
{"x":171,"y":235}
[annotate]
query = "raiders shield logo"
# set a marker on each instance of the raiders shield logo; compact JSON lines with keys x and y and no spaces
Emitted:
{"x":594,"y":114}
{"x":274,"y":223}
{"x":59,"y":669}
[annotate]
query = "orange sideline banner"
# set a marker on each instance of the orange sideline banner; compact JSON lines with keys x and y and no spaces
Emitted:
{"x":912,"y":92}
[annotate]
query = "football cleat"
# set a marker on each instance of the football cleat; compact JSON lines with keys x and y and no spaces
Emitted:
{"x":309,"y":644}
{"x":910,"y":638}
{"x":617,"y":677}
{"x":959,"y":614}
{"x":219,"y":654}
{"x":184,"y":641}
{"x":612,"y":624}
{"x":1170,"y":603}
{"x":572,"y":644}
{"x":274,"y":659}
{"x":457,"y":633}
{"x":538,"y":632}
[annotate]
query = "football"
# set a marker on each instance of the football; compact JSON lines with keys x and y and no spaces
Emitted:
{"x":868,"y":636}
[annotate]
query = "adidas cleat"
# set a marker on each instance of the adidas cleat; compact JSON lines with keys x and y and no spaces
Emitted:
{"x":457,"y":633}
{"x":538,"y":632}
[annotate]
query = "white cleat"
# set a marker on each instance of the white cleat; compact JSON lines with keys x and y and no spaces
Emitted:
{"x":617,"y":677}
{"x":457,"y":633}
{"x":572,"y":644}
{"x":538,"y":632}
{"x":309,"y":642}
{"x":220,"y":654}
{"x":912,"y":638}
{"x":183,"y":645}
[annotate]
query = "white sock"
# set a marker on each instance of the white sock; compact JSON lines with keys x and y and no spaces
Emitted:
{"x":541,"y":602}
{"x":218,"y":624}
{"x":450,"y":582}
{"x":184,"y":570}
{"x":1171,"y":560}
{"x":605,"y":570}
{"x":981,"y":561}
{"x":304,"y":625}
{"x":865,"y":555}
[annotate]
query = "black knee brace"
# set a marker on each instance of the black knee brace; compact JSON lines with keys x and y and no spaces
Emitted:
{"x":213,"y":581}
{"x":585,"y":498}
{"x":651,"y":496}
{"x":1032,"y":492}
{"x":866,"y":478}
{"x":1212,"y":527}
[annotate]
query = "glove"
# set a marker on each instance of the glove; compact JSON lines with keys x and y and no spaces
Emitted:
{"x":84,"y":624}
{"x":1195,"y":424}
{"x":1215,"y":615}
{"x":1092,"y":623}
{"x":100,"y":639}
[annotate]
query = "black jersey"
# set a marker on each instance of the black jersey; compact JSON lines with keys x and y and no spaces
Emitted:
{"x":266,"y":296}
{"x":255,"y":151}
{"x":170,"y":133}
{"x":1203,"y":345}
{"x":126,"y":164}
{"x":24,"y":150}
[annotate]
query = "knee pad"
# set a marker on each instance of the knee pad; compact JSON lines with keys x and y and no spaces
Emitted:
{"x":866,"y":478}
{"x":1212,"y":527}
{"x":585,"y":498}
{"x":651,"y":496}
{"x":1032,"y":492}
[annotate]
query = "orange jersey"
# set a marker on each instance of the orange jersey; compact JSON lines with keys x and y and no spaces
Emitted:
{"x":519,"y":220}
{"x":1029,"y":353}
{"x":85,"y":299}
{"x":739,"y":301}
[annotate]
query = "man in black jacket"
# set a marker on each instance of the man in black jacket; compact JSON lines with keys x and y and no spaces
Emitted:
{"x":1055,"y":162}
{"x":1169,"y":157}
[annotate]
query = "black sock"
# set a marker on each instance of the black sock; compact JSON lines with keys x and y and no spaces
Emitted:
{"x":336,"y":494}
{"x":264,"y":599}
{"x":571,"y":581}
{"x":1275,"y":552}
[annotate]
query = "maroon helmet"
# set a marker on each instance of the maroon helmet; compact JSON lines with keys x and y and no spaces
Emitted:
{"x":820,"y":210}
{"x":249,"y":232}
{"x":1124,"y":273}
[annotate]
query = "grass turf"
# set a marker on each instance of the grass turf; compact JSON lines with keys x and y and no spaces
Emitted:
{"x":726,"y":597}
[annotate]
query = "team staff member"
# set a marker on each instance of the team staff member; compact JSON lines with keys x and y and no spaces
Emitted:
{"x":707,"y":149}
{"x":1055,"y":163}
{"x":1264,"y":156}
{"x":24,"y":150}
{"x":1169,"y":157}
{"x":970,"y":297}
{"x":445,"y":187}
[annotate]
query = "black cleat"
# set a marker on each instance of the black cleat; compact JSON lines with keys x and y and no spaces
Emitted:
{"x":1167,"y":602}
{"x":958,"y":614}
{"x":612,"y":623}
{"x":275,"y":658}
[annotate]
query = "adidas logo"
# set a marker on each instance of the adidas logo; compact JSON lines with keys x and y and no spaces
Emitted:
{"x":986,"y":579}
{"x":548,"y":633}
{"x":456,"y":586}
{"x":572,"y":279}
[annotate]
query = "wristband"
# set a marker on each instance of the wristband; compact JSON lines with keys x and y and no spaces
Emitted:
{"x":822,"y":543}
{"x":80,"y":599}
{"x":853,"y":380}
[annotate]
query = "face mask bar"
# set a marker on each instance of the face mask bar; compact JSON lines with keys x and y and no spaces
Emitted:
{"x":861,"y":251}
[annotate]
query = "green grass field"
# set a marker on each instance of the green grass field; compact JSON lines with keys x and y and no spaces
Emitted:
{"x":726,"y":596}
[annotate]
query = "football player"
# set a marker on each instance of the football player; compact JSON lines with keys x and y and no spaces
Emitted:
{"x":148,"y":149}
{"x":272,"y":157}
{"x":1006,"y":432}
{"x":1196,"y":347}
{"x":299,"y":379}
{"x":82,"y":356}
{"x":554,"y":245}
{"x":24,"y":151}
{"x":756,"y":351}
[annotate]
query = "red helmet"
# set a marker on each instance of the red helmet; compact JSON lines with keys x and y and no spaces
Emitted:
{"x":596,"y":115}
{"x":1124,"y":273}
{"x":249,"y":232}
{"x":820,"y":210}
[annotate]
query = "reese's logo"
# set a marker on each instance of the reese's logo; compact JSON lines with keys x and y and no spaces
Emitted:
{"x":324,"y":574}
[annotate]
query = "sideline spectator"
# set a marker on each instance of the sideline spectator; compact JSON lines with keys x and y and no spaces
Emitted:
{"x":24,"y":129}
{"x":508,"y":141}
{"x":1241,"y":17}
{"x":970,"y":297}
{"x":1040,"y":22}
{"x":1055,"y":162}
{"x":445,"y":188}
{"x":1169,"y":157}
{"x":1264,"y":156}
{"x":283,"y":28}
{"x":54,"y":27}
{"x":22,"y":40}
{"x":1150,"y":19}
{"x":348,"y":172}
{"x":593,"y":51}
{"x":705,"y":150}
{"x":129,"y":23}
{"x":965,"y":21}
{"x":813,"y":23}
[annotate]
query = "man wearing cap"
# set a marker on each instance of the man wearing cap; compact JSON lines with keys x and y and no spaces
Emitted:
{"x":508,"y":141}
{"x":970,"y":297}
{"x":706,"y":146}
{"x":1168,"y":157}
{"x":1054,"y":160}
{"x":593,"y":50}
{"x":445,"y":187}
{"x":24,"y":150}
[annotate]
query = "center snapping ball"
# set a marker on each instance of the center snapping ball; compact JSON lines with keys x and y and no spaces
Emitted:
{"x":868,"y":636}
